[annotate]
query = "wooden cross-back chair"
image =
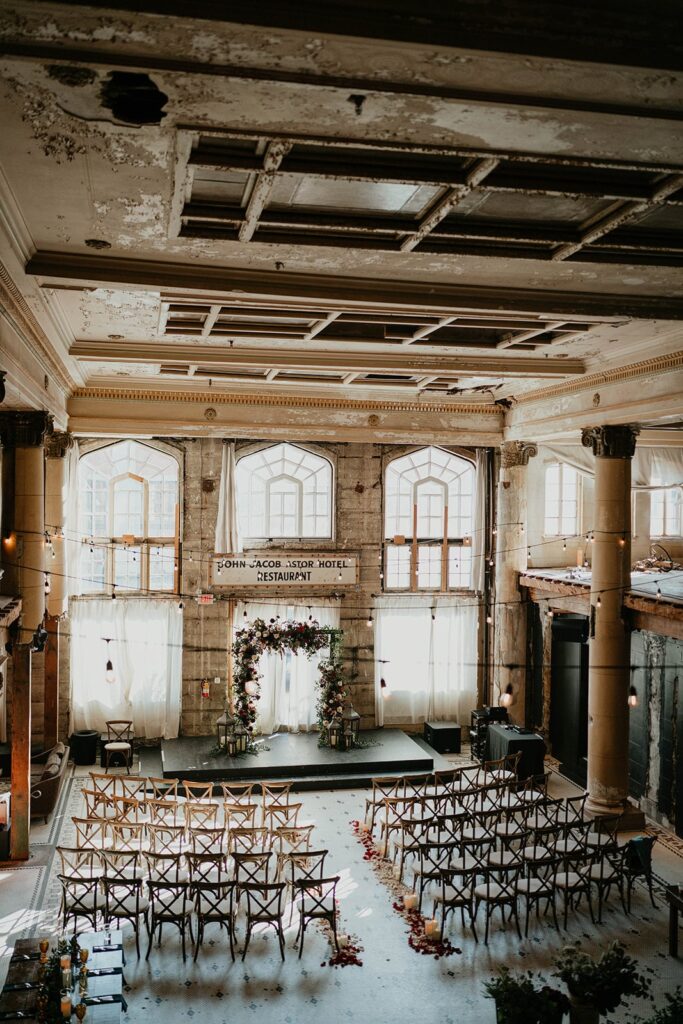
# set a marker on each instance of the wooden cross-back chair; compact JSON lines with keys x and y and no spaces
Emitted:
{"x":135,"y":788}
{"x":166,"y":838}
{"x":207,"y":867}
{"x":166,"y":867}
{"x":126,"y":808}
{"x":214,"y":904}
{"x":79,"y":863}
{"x":197,"y":791}
{"x":433,"y":859}
{"x":381,"y":790}
{"x":456,"y":893}
{"x":110,"y":785}
{"x":288,"y":841}
{"x":124,"y":900}
{"x":163,"y":789}
{"x":239,"y":815}
{"x":170,"y":903}
{"x":200,"y":815}
{"x":248,"y":840}
{"x":165,"y":812}
{"x":207,"y":840}
{"x":128,"y":836}
{"x":281,"y":816}
{"x":119,"y":742}
{"x":238,"y":792}
{"x":97,"y":804}
{"x":79,"y":899}
{"x":317,"y":902}
{"x":122,"y":864}
{"x":397,"y":810}
{"x":274,"y":793}
{"x":251,"y":867}
{"x":92,"y":833}
{"x":265,"y":907}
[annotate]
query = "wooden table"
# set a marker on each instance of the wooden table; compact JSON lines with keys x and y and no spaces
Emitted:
{"x":104,"y":996}
{"x":675,"y":899}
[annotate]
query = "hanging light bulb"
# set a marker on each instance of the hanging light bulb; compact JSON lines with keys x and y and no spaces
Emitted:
{"x":507,"y":698}
{"x":244,"y":615}
{"x":592,"y":537}
{"x":47,"y":583}
{"x":180,"y":606}
{"x":550,"y":613}
{"x":564,"y":544}
{"x":632,"y":697}
{"x":383,"y":685}
{"x":369,"y":622}
{"x":598,"y":603}
{"x":489,"y":619}
{"x":494,"y":531}
{"x":622,"y":540}
{"x":528,"y":554}
{"x":659,"y":593}
{"x":109,"y":675}
{"x":587,"y":537}
{"x":340,"y":576}
{"x":113,"y":591}
{"x":433,"y":614}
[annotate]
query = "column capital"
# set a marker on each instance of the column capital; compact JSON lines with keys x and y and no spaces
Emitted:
{"x":24,"y":429}
{"x":517,"y":453}
{"x":58,"y":443}
{"x":615,"y":441}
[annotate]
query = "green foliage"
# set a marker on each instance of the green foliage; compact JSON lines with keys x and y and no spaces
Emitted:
{"x":672,"y":1013}
{"x":518,"y":1001}
{"x":602,"y":983}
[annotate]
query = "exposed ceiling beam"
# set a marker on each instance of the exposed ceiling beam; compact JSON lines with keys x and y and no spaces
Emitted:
{"x":273,"y":157}
{"x":444,"y":206}
{"x":230,"y":285}
{"x":404,"y":360}
{"x":58,"y":53}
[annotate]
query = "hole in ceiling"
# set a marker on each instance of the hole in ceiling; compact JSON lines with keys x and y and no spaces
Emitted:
{"x":133,"y":98}
{"x":70,"y":75}
{"x":97,"y":243}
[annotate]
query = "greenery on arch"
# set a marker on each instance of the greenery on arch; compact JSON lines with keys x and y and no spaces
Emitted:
{"x":280,"y":635}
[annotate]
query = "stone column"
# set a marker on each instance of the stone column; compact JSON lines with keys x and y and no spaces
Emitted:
{"x":56,"y":447}
{"x":609,"y":639}
{"x":510,"y":635}
{"x":25,"y":432}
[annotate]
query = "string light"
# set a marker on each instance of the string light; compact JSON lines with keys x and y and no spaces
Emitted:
{"x":507,"y":697}
{"x":369,"y":622}
{"x":632,"y":697}
{"x":550,"y":613}
{"x":659,"y":593}
{"x":47,"y":583}
{"x":622,"y":540}
{"x":113,"y":591}
{"x":598,"y":603}
{"x":180,"y":606}
{"x":564,"y":544}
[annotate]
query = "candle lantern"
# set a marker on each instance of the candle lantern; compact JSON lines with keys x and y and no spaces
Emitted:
{"x":232,"y":746}
{"x":241,"y":737}
{"x":351,"y":723}
{"x":335,"y":733}
{"x":225,"y":728}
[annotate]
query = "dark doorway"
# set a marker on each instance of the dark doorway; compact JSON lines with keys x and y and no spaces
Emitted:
{"x":569,"y":695}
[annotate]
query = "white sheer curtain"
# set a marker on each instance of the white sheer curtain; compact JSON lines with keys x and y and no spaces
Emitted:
{"x":652,"y":468}
{"x":227,"y":539}
{"x":146,"y":651}
{"x":288,"y":690}
{"x":426,"y":651}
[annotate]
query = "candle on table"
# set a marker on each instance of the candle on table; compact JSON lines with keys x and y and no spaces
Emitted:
{"x":65,"y":1004}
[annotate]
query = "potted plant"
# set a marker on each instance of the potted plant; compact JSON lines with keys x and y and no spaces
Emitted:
{"x":518,"y":1001}
{"x":672,"y":1013}
{"x":598,"y":986}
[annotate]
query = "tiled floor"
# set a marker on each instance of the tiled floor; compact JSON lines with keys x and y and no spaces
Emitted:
{"x":394,"y":984}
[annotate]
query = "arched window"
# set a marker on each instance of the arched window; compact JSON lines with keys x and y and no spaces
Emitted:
{"x":428,"y":521}
{"x":284,"y":491}
{"x":562,"y":507}
{"x":128,"y":502}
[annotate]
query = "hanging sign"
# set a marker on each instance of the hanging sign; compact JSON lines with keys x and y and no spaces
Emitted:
{"x":270,"y":570}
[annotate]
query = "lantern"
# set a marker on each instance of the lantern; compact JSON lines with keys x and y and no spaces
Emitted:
{"x":351,"y":724}
{"x":335,"y":733}
{"x":232,"y":746}
{"x":241,"y":737}
{"x":225,"y":727}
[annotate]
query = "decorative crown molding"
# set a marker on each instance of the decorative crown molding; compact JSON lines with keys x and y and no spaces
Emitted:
{"x":24,"y":320}
{"x":24,"y":429}
{"x":517,"y":453}
{"x":659,"y":364}
{"x":211,"y":399}
{"x":57,"y":444}
{"x":616,"y":441}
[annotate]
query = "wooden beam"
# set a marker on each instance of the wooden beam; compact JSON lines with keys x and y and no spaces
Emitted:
{"x":21,"y":753}
{"x":273,"y":157}
{"x":234,"y":283}
{"x":445,"y":205}
{"x":51,"y":697}
{"x":401,"y":359}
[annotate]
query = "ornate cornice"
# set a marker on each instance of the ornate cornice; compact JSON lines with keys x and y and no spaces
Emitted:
{"x":516,"y":453}
{"x":19,"y":311}
{"x":615,"y":441}
{"x":659,"y":364}
{"x":213,"y":398}
{"x":24,"y":429}
{"x":57,"y":444}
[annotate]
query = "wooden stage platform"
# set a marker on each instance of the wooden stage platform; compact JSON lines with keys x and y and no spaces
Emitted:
{"x":297,"y":756}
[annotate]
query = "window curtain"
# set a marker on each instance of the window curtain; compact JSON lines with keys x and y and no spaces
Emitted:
{"x":652,"y":468}
{"x":288,"y":687}
{"x":479,"y":537}
{"x":228,"y":539}
{"x":426,"y":652}
{"x":72,"y":537}
{"x":146,"y":652}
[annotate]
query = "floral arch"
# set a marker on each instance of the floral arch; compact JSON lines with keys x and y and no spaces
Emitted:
{"x":258,"y":637}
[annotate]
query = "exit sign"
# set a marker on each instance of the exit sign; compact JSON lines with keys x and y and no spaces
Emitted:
{"x":205,"y":599}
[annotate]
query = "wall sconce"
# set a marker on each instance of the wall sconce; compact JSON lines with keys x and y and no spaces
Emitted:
{"x":632,"y":697}
{"x":507,"y":697}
